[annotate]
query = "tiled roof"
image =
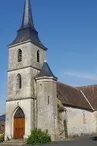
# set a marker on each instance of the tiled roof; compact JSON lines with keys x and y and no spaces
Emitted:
{"x":91,"y":94}
{"x":71,"y":96}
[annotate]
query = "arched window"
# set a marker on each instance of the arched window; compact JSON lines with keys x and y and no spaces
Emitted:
{"x":19,"y":55}
{"x":38,"y":56}
{"x":19,"y":81}
{"x":19,"y":113}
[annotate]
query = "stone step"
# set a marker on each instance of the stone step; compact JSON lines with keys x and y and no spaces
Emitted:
{"x":14,"y":142}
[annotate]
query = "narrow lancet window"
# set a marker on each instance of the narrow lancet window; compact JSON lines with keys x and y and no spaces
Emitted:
{"x":19,"y":81}
{"x":84,"y":118}
{"x":48,"y":100}
{"x":19,"y":55}
{"x":38,"y":56}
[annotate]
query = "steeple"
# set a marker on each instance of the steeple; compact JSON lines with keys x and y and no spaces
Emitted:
{"x":27,"y":31}
{"x":27,"y":16}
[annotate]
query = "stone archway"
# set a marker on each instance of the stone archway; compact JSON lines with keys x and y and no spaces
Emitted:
{"x":19,"y":124}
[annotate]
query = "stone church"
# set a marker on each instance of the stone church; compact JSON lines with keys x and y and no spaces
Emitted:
{"x":36,"y":99}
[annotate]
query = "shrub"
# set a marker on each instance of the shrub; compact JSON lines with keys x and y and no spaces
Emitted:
{"x":60,"y":108}
{"x":1,"y":137}
{"x":38,"y":137}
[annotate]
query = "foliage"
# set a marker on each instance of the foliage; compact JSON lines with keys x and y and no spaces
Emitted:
{"x":1,"y":137}
{"x":59,"y":117}
{"x":60,"y":108}
{"x":38,"y":137}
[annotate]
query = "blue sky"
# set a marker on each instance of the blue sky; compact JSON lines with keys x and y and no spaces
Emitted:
{"x":67,"y":27}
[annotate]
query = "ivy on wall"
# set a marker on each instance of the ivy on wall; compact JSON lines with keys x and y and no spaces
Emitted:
{"x":60,"y":108}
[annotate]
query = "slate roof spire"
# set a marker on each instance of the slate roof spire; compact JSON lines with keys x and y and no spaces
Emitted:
{"x":27,"y":16}
{"x":27,"y":31}
{"x":46,"y":71}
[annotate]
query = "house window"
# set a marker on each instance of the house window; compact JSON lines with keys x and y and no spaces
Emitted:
{"x":19,"y":55}
{"x":38,"y":56}
{"x":19,"y":81}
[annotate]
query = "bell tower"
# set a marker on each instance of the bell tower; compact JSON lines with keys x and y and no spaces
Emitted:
{"x":26,"y":57}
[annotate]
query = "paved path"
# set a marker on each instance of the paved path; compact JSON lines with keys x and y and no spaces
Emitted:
{"x":78,"y":142}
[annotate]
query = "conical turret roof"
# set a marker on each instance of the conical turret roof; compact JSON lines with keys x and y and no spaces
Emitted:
{"x":46,"y":71}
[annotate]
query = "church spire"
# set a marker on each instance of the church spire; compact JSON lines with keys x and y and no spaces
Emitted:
{"x":27,"y":31}
{"x":27,"y":16}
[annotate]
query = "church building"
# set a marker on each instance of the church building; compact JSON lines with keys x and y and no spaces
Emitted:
{"x":36,"y":99}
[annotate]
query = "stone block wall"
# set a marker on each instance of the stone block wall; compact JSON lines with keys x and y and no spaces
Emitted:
{"x":11,"y":107}
{"x":47,"y":106}
{"x":29,"y":56}
{"x":80,"y":122}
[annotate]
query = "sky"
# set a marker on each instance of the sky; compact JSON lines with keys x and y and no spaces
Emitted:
{"x":68,"y":28}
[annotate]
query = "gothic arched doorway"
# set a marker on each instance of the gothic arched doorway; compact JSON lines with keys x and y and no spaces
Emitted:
{"x":19,"y":124}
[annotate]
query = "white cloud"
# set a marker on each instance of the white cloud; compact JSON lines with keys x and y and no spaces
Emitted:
{"x":81,"y":75}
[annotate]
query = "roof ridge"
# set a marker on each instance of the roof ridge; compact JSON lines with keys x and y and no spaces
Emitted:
{"x":68,"y":85}
{"x":86,"y":86}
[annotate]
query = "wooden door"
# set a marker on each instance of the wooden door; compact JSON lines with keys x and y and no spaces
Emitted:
{"x":19,"y":128}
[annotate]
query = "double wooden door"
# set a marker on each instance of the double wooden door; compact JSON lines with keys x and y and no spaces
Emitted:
{"x":19,"y":128}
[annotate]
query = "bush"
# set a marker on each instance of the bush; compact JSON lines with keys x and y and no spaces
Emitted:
{"x":38,"y":137}
{"x":60,"y":108}
{"x":1,"y":137}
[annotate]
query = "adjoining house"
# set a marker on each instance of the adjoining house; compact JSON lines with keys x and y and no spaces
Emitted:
{"x":36,"y":99}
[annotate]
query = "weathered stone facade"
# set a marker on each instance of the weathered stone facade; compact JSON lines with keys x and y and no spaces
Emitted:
{"x":80,"y":122}
{"x":47,"y":105}
{"x":38,"y":93}
{"x":28,"y":69}
{"x":11,"y":108}
{"x":29,"y":56}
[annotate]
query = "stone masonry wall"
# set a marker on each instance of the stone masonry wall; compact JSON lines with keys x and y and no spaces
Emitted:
{"x":27,"y":83}
{"x":29,"y":56}
{"x":80,"y":121}
{"x":47,"y":110}
{"x":11,"y":107}
{"x":28,"y":68}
